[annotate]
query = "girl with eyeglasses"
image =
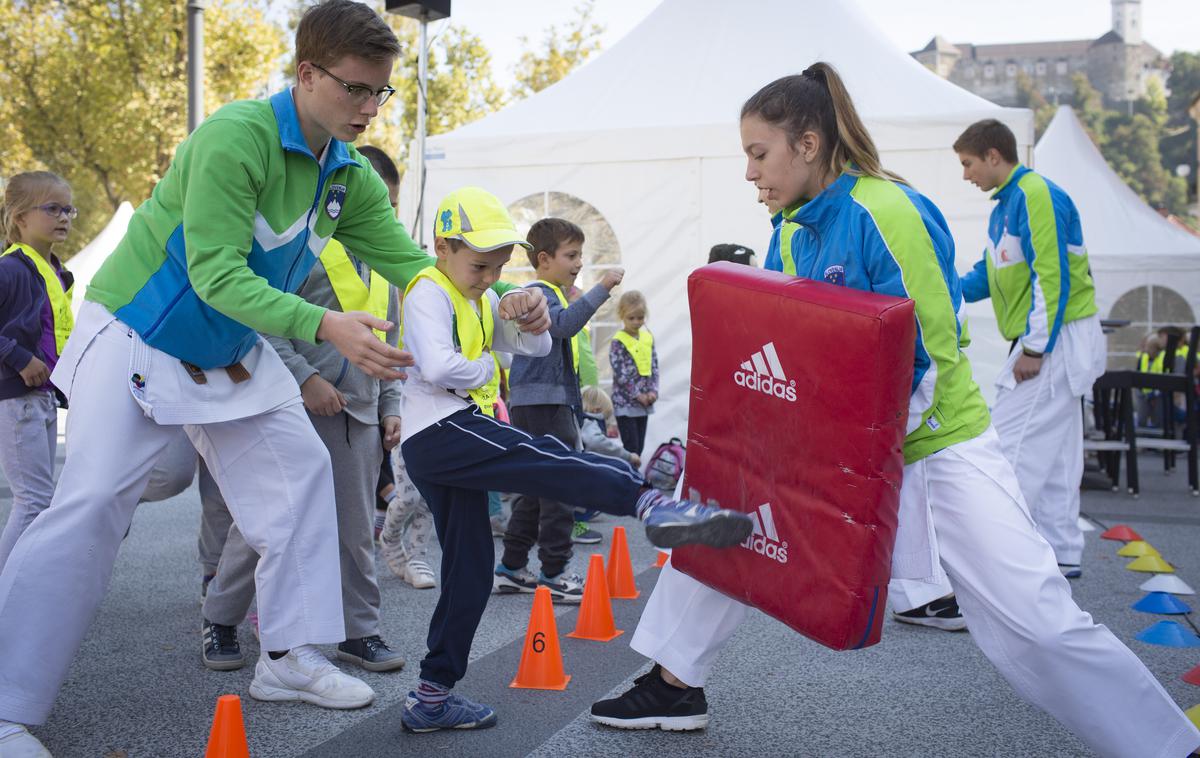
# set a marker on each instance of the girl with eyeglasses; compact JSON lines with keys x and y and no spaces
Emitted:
{"x":35,"y":321}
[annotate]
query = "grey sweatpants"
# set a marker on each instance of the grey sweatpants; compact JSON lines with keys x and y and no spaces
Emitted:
{"x":547,"y":523}
{"x":356,"y":455}
{"x":28,"y":442}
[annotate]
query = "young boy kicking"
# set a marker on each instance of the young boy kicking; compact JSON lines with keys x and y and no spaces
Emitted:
{"x":456,"y":451}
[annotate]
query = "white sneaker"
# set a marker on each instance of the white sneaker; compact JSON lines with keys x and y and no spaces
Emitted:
{"x":305,"y":674}
{"x":419,"y":575}
{"x":20,"y":744}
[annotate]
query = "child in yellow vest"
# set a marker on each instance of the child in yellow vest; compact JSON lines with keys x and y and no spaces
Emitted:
{"x":457,"y":451}
{"x":634,"y":371}
{"x":35,"y":321}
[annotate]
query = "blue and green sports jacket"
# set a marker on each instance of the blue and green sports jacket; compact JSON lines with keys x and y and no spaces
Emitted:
{"x":233,"y":228}
{"x":1035,"y":267}
{"x":881,"y":236}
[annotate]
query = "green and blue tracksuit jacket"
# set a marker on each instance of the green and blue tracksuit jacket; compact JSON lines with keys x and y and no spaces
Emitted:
{"x":1035,"y":267}
{"x":233,"y":228}
{"x":881,"y":236}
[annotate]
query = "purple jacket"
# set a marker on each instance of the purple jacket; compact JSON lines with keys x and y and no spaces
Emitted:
{"x":22,"y":294}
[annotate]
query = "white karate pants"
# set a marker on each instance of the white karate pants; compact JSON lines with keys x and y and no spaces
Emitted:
{"x":1016,"y":602}
{"x":276,"y":477}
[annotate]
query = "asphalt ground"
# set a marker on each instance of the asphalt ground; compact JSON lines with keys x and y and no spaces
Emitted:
{"x":138,"y":686}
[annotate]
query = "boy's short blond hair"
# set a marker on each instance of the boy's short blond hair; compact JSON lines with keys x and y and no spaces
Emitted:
{"x":596,"y":400}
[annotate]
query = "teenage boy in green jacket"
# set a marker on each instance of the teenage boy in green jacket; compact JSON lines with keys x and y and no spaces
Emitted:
{"x":167,"y":338}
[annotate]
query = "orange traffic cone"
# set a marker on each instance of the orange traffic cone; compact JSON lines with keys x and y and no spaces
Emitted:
{"x":595,"y":614}
{"x":541,"y":661}
{"x":621,"y":585}
{"x":661,"y":561}
{"x":228,"y":736}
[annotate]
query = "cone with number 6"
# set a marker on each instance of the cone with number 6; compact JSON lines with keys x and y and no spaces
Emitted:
{"x":541,"y":660}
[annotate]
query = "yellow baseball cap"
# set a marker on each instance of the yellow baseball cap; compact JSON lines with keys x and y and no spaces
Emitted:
{"x":478,"y":218}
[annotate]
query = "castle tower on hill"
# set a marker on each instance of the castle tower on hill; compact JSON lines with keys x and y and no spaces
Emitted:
{"x":1119,"y":64}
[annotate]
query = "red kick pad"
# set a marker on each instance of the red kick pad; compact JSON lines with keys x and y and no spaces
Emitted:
{"x":799,"y":402}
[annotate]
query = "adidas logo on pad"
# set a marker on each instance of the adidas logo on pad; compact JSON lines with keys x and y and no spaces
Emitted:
{"x":763,"y":373}
{"x":764,"y":540}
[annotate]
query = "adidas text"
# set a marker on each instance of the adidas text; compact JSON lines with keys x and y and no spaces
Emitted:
{"x":764,"y":373}
{"x":765,"y":385}
{"x":764,"y":540}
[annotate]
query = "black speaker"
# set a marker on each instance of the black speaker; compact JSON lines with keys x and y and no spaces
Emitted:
{"x":430,"y":10}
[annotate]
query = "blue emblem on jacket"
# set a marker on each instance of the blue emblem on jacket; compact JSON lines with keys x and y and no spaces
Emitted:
{"x":335,"y":198}
{"x":836,"y":275}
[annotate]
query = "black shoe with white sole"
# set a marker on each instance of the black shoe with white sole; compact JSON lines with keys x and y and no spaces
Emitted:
{"x":372,"y":653}
{"x":653,"y":704}
{"x":941,"y":614}
{"x":220,"y":650}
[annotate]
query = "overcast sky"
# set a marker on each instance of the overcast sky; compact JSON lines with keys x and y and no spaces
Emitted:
{"x":1169,"y":24}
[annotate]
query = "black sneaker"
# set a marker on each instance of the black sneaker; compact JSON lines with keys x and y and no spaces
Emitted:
{"x":221,"y":651}
{"x":564,"y":587}
{"x":651,"y":703}
{"x":940,"y":614}
{"x":372,"y":653}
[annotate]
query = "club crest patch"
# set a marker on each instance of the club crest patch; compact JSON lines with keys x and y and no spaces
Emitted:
{"x":836,"y":275}
{"x":335,"y":198}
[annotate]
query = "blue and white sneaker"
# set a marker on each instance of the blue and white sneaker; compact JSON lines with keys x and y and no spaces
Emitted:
{"x":508,"y":581}
{"x":454,"y":713}
{"x":671,"y":523}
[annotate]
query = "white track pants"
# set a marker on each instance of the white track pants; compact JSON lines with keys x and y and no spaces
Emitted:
{"x":1040,"y":425}
{"x":277,"y":481}
{"x":1016,"y":603}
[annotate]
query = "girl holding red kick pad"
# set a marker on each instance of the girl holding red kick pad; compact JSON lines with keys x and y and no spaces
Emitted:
{"x":845,"y":217}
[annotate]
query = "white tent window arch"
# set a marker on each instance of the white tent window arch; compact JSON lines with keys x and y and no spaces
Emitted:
{"x":1146,"y":308}
{"x":601,"y":252}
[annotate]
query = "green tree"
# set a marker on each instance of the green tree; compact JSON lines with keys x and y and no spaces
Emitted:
{"x":563,"y":50}
{"x":1029,"y":97}
{"x":96,"y":90}
{"x":1179,"y":139}
{"x":1130,"y":143}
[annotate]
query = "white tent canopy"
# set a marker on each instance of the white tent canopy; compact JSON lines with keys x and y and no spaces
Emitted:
{"x":86,"y":262}
{"x":1129,"y":244}
{"x":647,"y":135}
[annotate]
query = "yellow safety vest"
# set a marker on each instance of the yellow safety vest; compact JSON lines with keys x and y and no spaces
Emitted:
{"x":582,"y":334}
{"x":352,"y":293}
{"x":642,"y":349}
{"x":1158,"y":364}
{"x":473,"y":332}
{"x":60,"y":300}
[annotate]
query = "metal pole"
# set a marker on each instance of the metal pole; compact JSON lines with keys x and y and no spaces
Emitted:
{"x":195,"y":63}
{"x":422,"y":82}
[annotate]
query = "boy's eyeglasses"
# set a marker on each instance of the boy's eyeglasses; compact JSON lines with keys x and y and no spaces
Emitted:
{"x":358,"y":93}
{"x":56,"y":210}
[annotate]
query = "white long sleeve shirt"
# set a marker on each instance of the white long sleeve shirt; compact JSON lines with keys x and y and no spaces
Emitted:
{"x":437,"y":385}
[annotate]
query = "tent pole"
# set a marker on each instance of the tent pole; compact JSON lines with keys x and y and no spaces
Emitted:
{"x":195,"y":62}
{"x":422,"y":105}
